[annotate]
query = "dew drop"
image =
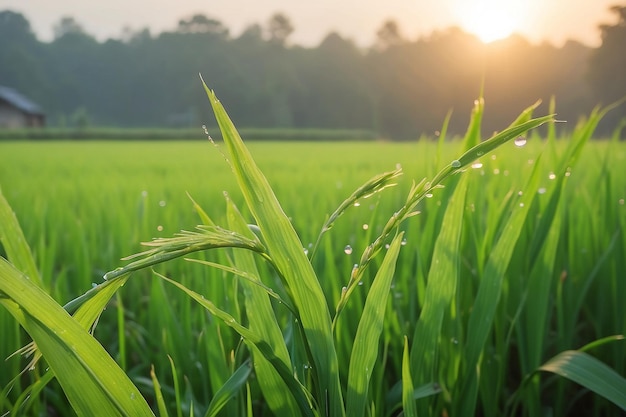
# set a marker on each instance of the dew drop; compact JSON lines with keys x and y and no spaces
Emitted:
{"x":306,"y":251}
{"x":144,"y":194}
{"x":520,"y":193}
{"x":360,"y":283}
{"x":454,"y":341}
{"x":403,"y":242}
{"x":496,"y":171}
{"x":542,"y":190}
{"x":429,"y":195}
{"x":621,"y":201}
{"x":521,"y":204}
{"x":206,"y":131}
{"x":552,"y":176}
{"x":455,"y":164}
{"x":357,"y":204}
{"x":132,"y":395}
{"x":162,"y":203}
{"x":160,"y":228}
{"x":493,"y":157}
{"x":366,"y":226}
{"x":477,"y":165}
{"x":520,"y":141}
{"x":347,"y":249}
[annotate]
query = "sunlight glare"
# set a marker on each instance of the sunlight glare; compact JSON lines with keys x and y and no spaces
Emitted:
{"x":490,"y":20}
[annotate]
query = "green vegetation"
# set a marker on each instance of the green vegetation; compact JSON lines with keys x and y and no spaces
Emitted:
{"x":127,"y":134}
{"x":500,"y":293}
{"x":397,"y":87}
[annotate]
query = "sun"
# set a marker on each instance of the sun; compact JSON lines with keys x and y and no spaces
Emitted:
{"x":490,"y":20}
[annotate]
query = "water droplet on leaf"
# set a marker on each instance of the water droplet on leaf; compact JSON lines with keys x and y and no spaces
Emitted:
{"x":520,"y":141}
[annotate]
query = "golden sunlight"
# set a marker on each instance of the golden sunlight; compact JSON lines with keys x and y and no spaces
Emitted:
{"x":490,"y":20}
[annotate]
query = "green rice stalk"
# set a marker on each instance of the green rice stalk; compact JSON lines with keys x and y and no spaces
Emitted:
{"x":92,"y":381}
{"x":158,"y":395}
{"x":285,"y":249}
{"x":248,"y":276}
{"x":408,"y":399}
{"x":440,"y":290}
{"x":419,"y":191}
{"x":14,"y":243}
{"x":486,"y":301}
{"x":263,"y":321}
{"x":365,"y":346}
{"x":185,"y":242}
{"x":591,"y":373}
{"x":179,"y":408}
{"x":250,"y":337}
{"x":371,"y":187}
{"x":229,"y":389}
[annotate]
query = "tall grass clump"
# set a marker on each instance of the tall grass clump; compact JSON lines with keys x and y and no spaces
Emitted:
{"x":482,"y":316}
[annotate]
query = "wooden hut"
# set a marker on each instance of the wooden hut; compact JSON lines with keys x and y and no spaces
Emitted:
{"x":17,"y":111}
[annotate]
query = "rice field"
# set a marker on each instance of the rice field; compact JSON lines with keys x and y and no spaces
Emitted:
{"x":501,"y":293}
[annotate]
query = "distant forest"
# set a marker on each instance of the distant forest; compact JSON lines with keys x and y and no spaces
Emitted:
{"x":398,"y":87}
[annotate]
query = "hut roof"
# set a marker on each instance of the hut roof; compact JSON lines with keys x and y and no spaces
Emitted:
{"x":18,"y":100}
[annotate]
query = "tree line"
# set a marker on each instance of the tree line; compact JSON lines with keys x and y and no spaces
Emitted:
{"x":398,"y":87}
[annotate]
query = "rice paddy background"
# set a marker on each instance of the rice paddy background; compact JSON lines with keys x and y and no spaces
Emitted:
{"x":85,"y":205}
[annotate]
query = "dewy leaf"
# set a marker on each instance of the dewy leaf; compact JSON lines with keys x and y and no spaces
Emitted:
{"x":285,"y":249}
{"x":184,"y":243}
{"x":589,"y":372}
{"x":257,"y":342}
{"x":441,"y":289}
{"x":365,"y":347}
{"x":93,"y":382}
{"x":482,"y":315}
{"x":14,"y":243}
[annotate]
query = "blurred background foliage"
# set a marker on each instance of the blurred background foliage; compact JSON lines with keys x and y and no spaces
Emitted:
{"x":399,"y":88}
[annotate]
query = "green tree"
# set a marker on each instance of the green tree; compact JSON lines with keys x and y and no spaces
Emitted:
{"x":279,"y":28}
{"x":389,"y":35}
{"x":200,"y":23}
{"x":67,"y":25}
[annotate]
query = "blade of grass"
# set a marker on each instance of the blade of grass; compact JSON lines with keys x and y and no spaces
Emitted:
{"x":486,"y":301}
{"x":591,"y":373}
{"x":440,"y":289}
{"x":184,"y":243}
{"x":371,"y":187}
{"x":408,"y":399}
{"x":229,"y":389}
{"x":92,"y":381}
{"x":14,"y":243}
{"x":285,"y":249}
{"x":158,"y":394}
{"x":365,"y":346}
{"x":262,"y":320}
{"x":296,"y":389}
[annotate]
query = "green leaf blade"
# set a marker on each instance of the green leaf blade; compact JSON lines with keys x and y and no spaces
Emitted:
{"x":285,"y":249}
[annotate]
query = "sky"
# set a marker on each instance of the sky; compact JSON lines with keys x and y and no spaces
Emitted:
{"x":554,"y":21}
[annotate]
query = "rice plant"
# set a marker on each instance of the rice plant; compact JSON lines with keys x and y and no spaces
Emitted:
{"x":464,"y":319}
